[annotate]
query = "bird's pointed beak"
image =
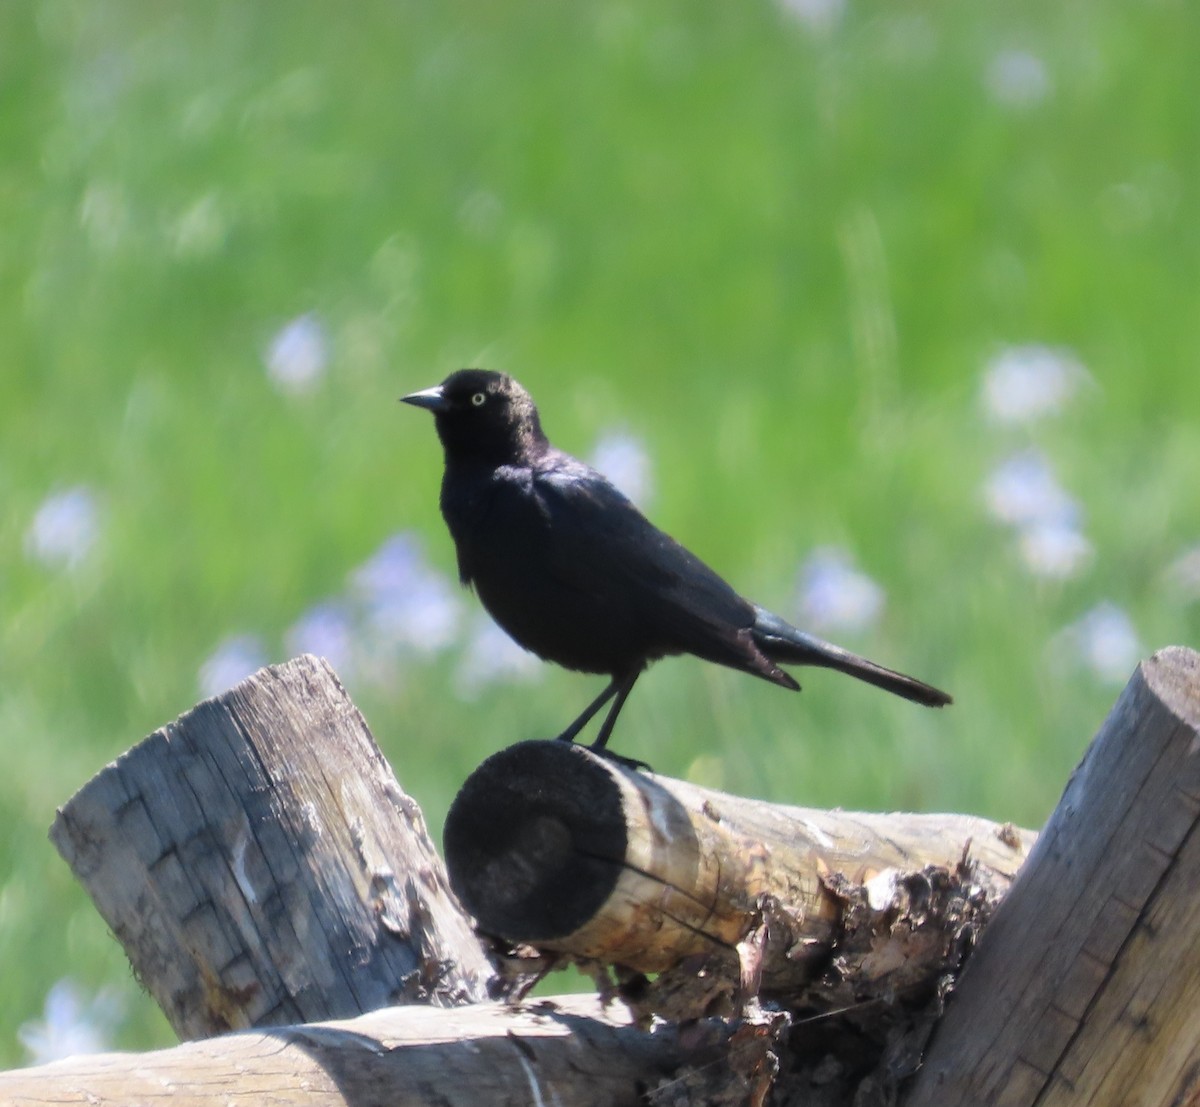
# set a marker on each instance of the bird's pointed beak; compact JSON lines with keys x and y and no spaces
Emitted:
{"x":432,"y":399}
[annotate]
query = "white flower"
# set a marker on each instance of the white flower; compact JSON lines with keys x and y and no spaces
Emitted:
{"x":836,"y":596}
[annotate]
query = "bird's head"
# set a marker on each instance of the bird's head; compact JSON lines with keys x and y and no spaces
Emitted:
{"x":483,"y":415}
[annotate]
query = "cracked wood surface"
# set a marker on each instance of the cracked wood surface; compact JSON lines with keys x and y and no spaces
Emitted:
{"x":261,"y":866}
{"x":570,"y":1051}
{"x":551,"y":845}
{"x":1084,"y":988}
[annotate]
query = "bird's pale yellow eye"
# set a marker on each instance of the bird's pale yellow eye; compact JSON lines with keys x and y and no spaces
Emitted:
{"x":478,"y":399}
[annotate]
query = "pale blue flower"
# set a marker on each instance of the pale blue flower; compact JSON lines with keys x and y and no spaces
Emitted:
{"x":65,"y":529}
{"x":325,"y":630}
{"x":818,"y":16}
{"x":1023,"y":490}
{"x":72,"y":1023}
{"x":406,"y":604}
{"x":298,"y":355}
{"x":1024,"y":383}
{"x":490,"y":657}
{"x":234,"y":659}
{"x":1183,"y":574}
{"x":834,"y":595}
{"x":1105,"y":642}
{"x":1017,"y":79}
{"x":622,"y":458}
{"x":1054,"y":549}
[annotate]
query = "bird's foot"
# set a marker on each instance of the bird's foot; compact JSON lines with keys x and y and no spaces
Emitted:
{"x":631,"y":763}
{"x":603,"y":751}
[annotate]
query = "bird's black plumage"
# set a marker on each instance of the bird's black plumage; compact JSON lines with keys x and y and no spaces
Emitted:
{"x":576,"y":574}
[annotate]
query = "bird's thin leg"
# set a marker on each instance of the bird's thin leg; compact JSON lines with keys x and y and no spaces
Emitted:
{"x":622,"y":686}
{"x":570,"y":734}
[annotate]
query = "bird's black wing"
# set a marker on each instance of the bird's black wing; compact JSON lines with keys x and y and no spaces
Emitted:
{"x":598,"y":541}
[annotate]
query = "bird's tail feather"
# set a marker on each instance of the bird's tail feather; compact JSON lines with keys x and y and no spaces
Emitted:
{"x":783,"y":643}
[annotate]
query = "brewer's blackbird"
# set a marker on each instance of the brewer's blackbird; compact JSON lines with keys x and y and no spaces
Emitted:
{"x":577,"y":575}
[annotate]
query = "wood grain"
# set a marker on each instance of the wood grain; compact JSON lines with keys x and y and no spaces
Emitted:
{"x":550,"y":844}
{"x":261,"y":865}
{"x":571,"y":1052}
{"x":1084,"y":988}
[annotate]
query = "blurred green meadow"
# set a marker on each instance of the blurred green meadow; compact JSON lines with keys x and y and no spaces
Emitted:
{"x":892,"y":311}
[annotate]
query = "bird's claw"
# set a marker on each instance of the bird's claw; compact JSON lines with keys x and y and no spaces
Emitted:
{"x":631,"y":763}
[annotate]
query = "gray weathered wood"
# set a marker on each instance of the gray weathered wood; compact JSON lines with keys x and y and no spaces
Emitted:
{"x":1084,"y":990}
{"x":261,"y":866}
{"x":569,"y":1052}
{"x":230,"y":849}
{"x":552,"y":845}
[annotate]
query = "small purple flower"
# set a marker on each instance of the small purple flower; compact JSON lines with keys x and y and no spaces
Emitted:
{"x":298,"y":355}
{"x":64,"y":529}
{"x":834,"y":595}
{"x":622,"y":458}
{"x":72,"y":1023}
{"x":234,"y":659}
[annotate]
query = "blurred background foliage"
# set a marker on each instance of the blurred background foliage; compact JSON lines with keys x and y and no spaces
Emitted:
{"x":888,"y":311}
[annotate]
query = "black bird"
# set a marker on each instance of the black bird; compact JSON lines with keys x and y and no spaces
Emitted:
{"x":577,"y":575}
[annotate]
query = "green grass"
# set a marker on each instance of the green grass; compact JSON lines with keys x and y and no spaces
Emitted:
{"x":780,"y":259}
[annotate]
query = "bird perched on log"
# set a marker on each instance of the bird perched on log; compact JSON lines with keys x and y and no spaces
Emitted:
{"x":579,"y":576}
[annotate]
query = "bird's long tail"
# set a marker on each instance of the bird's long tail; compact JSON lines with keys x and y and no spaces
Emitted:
{"x":783,"y":643}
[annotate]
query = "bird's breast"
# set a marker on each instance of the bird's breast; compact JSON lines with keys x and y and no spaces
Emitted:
{"x":509,"y":550}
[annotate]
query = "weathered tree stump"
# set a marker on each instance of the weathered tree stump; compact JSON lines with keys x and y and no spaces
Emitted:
{"x":551,"y":845}
{"x":261,"y":866}
{"x":1086,"y":987}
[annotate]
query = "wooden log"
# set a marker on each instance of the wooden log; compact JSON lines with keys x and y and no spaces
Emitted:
{"x":551,"y":845}
{"x":1084,"y":989}
{"x":571,"y":1052}
{"x":261,"y":866}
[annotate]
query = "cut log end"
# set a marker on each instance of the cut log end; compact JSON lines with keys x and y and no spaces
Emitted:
{"x":549,"y":845}
{"x":534,"y":864}
{"x":1173,"y":675}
